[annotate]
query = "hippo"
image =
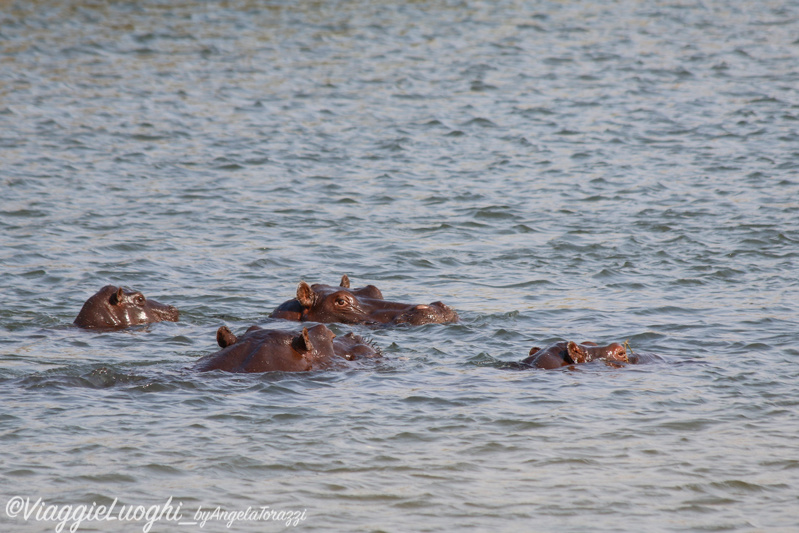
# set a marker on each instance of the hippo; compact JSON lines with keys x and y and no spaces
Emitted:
{"x":115,"y":307}
{"x":567,"y":353}
{"x":265,"y":350}
{"x":325,"y":303}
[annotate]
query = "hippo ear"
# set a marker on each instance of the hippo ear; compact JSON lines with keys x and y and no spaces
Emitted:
{"x":116,"y":298}
{"x":345,"y":281}
{"x":533,"y":350}
{"x":305,"y":295}
{"x":224,"y":337}
{"x":302,"y":342}
{"x":577,"y":353}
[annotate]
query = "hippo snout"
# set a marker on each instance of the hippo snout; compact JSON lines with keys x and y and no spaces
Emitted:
{"x":168,"y":313}
{"x":434,"y":313}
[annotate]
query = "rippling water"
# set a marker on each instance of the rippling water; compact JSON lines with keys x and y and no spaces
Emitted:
{"x":604,"y":171}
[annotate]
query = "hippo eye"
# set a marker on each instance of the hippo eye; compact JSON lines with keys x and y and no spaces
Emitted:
{"x":341,"y":302}
{"x":139,"y":300}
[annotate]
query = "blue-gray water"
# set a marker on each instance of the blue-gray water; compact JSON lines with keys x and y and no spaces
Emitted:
{"x":608,"y":171}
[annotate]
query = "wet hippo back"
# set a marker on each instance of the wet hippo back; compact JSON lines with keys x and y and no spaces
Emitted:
{"x":115,"y":307}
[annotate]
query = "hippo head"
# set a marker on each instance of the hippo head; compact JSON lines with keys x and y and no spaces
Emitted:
{"x":115,"y":307}
{"x":590,"y":351}
{"x":565,"y":353}
{"x":326,"y":303}
{"x":353,"y":347}
{"x":262,"y":350}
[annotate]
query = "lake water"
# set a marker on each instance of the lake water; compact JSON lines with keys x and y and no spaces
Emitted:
{"x":606,"y":171}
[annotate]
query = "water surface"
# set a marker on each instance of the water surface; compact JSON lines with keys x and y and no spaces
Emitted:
{"x":603,"y":171}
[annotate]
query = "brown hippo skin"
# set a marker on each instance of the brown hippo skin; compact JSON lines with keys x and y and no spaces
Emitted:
{"x":115,"y":307}
{"x":325,"y":303}
{"x":569,"y":353}
{"x":264,"y":350}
